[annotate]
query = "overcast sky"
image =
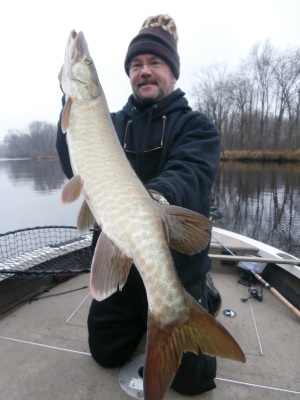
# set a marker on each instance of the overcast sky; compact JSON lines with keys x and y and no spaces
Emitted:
{"x":34,"y":34}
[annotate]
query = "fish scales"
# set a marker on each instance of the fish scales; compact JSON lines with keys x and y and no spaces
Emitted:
{"x":135,"y":229}
{"x":120,"y":186}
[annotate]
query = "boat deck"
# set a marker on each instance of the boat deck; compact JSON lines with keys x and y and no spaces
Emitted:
{"x":45,"y":355}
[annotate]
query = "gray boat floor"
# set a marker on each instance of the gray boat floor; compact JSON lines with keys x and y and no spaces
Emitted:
{"x":45,"y":355}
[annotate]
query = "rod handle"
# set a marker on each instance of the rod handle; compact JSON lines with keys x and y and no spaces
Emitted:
{"x":278,"y":295}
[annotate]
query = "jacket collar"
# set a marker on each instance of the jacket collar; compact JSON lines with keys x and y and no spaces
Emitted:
{"x":174,"y":102}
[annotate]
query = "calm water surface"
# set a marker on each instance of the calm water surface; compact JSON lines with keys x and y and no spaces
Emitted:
{"x":261,"y":201}
{"x":30,"y":195}
{"x":258,"y":200}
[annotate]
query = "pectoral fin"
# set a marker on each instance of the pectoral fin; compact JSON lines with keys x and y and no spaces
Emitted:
{"x":85,"y":218}
{"x":72,"y":190}
{"x":110,"y":268}
{"x":187,"y":231}
{"x":66,"y":115}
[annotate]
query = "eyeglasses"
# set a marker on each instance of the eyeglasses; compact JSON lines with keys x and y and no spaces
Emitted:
{"x":146,"y":151}
{"x":136,"y":66}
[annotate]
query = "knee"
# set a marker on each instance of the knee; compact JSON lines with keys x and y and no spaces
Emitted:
{"x":108,"y":355}
{"x":195,"y":375}
{"x":104,"y":360}
{"x":102,"y":356}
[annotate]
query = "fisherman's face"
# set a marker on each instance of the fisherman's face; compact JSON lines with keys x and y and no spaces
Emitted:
{"x":151,"y":85}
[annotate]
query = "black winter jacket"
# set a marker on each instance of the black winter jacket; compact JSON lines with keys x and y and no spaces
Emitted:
{"x":182,"y":170}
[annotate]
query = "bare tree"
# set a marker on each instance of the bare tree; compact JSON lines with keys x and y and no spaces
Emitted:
{"x":241,"y":91}
{"x":37,"y":140}
{"x":261,"y":58}
{"x":286,"y":71}
{"x":257,"y":106}
{"x":211,"y":95}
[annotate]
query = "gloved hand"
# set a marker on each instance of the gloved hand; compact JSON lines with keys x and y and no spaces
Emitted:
{"x":158,"y":197}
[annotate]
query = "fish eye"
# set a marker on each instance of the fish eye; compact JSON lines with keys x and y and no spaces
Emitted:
{"x":88,"y":61}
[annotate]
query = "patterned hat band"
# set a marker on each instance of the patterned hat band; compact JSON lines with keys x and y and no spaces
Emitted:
{"x":158,"y":36}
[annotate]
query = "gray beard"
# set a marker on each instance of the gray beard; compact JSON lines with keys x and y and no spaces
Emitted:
{"x":148,"y":101}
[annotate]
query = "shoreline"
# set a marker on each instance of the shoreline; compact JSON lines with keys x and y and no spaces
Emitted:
{"x":37,"y":158}
{"x":260,"y":156}
{"x":227,"y":155}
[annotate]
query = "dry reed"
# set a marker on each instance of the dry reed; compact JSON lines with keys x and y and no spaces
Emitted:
{"x":259,"y":155}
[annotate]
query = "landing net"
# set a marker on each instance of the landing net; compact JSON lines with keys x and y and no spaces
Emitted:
{"x":44,"y":251}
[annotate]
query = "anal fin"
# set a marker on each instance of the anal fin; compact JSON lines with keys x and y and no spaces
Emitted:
{"x":110,"y":268}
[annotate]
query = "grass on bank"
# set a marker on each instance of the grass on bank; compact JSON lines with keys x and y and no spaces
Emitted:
{"x":51,"y":158}
{"x":259,"y":155}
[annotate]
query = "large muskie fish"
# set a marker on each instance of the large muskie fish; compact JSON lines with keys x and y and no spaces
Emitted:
{"x":135,"y":229}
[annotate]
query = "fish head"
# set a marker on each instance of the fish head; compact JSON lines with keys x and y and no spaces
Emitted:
{"x":79,"y":76}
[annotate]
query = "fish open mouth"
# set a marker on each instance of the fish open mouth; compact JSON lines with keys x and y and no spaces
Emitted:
{"x":77,"y":46}
{"x":74,"y":44}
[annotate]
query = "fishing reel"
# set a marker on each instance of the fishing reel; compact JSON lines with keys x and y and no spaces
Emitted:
{"x":247,"y":280}
{"x":254,"y":294}
{"x":214,"y":214}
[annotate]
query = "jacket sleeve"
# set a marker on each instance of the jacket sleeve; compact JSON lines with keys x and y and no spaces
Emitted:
{"x":187,"y":177}
{"x":62,"y":147}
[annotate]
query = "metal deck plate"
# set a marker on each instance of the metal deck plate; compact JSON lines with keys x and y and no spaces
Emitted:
{"x":130,"y":380}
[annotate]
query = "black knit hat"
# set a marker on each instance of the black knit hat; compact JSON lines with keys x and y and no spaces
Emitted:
{"x":158,"y":36}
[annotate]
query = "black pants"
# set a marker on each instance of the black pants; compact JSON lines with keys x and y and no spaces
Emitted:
{"x":117,"y":324}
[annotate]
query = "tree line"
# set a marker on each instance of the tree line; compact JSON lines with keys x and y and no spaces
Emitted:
{"x":257,"y":106}
{"x":38,"y":140}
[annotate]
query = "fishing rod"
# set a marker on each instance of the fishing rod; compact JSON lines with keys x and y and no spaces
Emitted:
{"x":263,"y":282}
{"x":222,"y":257}
{"x":56,"y":294}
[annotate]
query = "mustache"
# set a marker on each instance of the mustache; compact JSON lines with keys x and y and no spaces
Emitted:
{"x":145,"y":81}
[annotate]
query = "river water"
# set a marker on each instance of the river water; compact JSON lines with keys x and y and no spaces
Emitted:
{"x":30,"y":195}
{"x":261,"y":201}
{"x":258,"y":200}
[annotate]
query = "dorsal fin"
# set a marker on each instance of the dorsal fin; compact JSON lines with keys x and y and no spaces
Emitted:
{"x":85,"y":218}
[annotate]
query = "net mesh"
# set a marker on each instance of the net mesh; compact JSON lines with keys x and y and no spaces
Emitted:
{"x":44,"y":251}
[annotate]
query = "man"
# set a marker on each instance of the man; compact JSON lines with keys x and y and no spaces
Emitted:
{"x":175,"y":152}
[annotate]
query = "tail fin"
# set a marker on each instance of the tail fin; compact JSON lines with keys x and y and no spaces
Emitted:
{"x":165,"y":346}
